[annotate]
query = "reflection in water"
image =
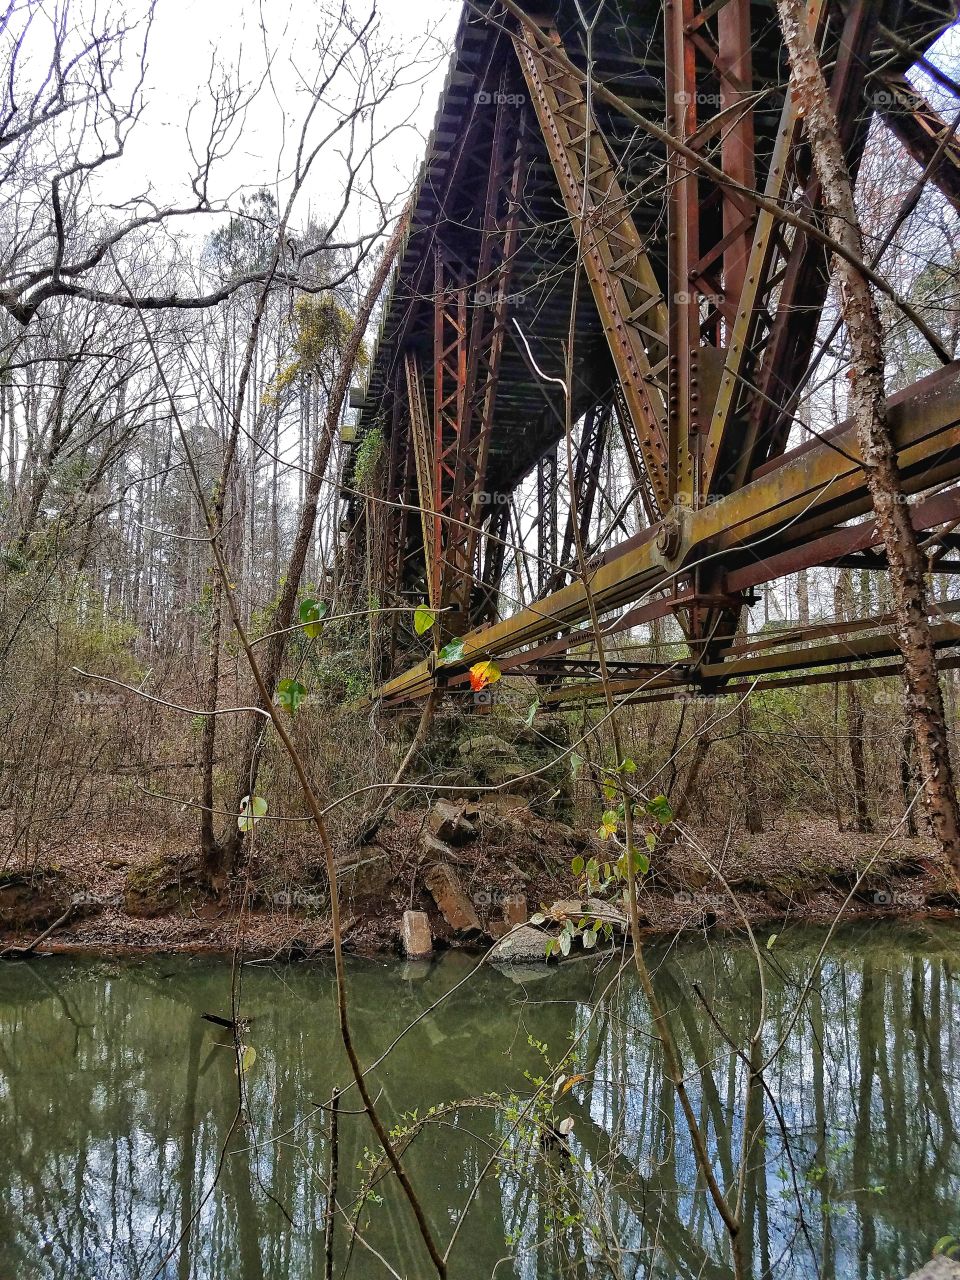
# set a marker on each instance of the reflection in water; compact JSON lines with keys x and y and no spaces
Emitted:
{"x":117,"y":1100}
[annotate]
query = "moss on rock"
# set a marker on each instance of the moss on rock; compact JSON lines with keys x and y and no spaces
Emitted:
{"x":160,"y":885}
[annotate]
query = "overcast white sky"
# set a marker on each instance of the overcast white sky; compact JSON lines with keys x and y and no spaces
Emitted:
{"x":188,"y":33}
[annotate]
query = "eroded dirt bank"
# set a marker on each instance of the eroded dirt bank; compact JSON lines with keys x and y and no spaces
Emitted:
{"x":501,"y":863}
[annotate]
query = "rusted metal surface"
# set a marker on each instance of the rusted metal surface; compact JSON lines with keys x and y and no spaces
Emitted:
{"x":930,"y":139}
{"x":810,"y":489}
{"x":630,"y":304}
{"x":426,"y":476}
{"x":551,"y":235}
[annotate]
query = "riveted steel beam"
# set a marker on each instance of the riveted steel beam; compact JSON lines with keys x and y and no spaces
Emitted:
{"x":628,"y":298}
{"x":490,"y":312}
{"x":795,"y":501}
{"x":921,"y":129}
{"x":547,"y":478}
{"x":423,"y":448}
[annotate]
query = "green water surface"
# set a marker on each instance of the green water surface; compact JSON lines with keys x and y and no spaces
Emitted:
{"x":121,"y":1157}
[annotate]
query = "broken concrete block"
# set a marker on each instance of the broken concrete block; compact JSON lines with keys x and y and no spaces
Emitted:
{"x":514,"y":910}
{"x":448,"y":893}
{"x":447,"y":822}
{"x":417,"y":940}
{"x":522,"y":946}
{"x":434,"y":850}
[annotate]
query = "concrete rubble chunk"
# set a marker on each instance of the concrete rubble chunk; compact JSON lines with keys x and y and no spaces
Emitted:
{"x":435,"y":850}
{"x":449,"y":823}
{"x":448,"y":893}
{"x":521,"y":946}
{"x":514,"y":910}
{"x":417,"y":940}
{"x":938,"y":1269}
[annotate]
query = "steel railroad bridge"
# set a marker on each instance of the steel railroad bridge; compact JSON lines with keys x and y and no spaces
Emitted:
{"x":553,"y":233}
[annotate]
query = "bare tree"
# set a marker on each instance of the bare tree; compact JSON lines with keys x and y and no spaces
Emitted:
{"x":869,"y":412}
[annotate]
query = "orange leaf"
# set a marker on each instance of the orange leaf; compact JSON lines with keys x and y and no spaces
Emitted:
{"x":482,"y":674}
{"x":569,"y":1083}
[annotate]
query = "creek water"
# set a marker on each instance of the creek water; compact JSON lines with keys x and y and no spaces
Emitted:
{"x":121,"y":1155}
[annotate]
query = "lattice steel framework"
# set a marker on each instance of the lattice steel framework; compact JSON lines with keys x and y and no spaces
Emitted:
{"x":564,"y":267}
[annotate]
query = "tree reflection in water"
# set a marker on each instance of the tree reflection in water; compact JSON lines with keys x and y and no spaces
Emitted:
{"x":116,"y":1100}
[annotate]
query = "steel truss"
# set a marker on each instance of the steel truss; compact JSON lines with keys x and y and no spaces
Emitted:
{"x":695,"y":329}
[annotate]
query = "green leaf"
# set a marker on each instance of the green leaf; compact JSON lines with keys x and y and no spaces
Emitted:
{"x":565,"y":943}
{"x":534,"y":708}
{"x":247,"y":1058}
{"x":539,"y":918}
{"x":423,"y":619}
{"x":453,"y":651}
{"x":771,"y":940}
{"x":290,"y":694}
{"x":250,"y":811}
{"x":589,"y":939}
{"x":311,"y":612}
{"x":659,"y":808}
{"x":609,"y":823}
{"x":628,"y":766}
{"x":550,"y":947}
{"x":576,"y":764}
{"x":577,"y":865}
{"x":651,"y":841}
{"x":641,"y":864}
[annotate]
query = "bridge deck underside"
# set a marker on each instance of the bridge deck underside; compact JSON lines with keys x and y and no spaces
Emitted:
{"x":526,"y":196}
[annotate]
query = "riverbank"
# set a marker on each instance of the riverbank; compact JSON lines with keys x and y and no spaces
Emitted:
{"x":128,"y":897}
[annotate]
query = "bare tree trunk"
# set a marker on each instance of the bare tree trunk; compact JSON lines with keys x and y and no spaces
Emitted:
{"x":858,"y":760}
{"x":869,"y":411}
{"x":907,"y":781}
{"x":749,"y":763}
{"x":803,"y":598}
{"x":853,"y":708}
{"x":283,"y":618}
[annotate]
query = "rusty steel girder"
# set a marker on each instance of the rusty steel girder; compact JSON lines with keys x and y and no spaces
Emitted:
{"x":423,"y":453}
{"x":808,"y":492}
{"x":675,"y":312}
{"x":628,"y":298}
{"x":547,"y":516}
{"x":840,"y":653}
{"x":923,"y":131}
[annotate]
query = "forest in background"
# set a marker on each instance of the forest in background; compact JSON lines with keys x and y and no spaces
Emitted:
{"x":135,"y":353}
